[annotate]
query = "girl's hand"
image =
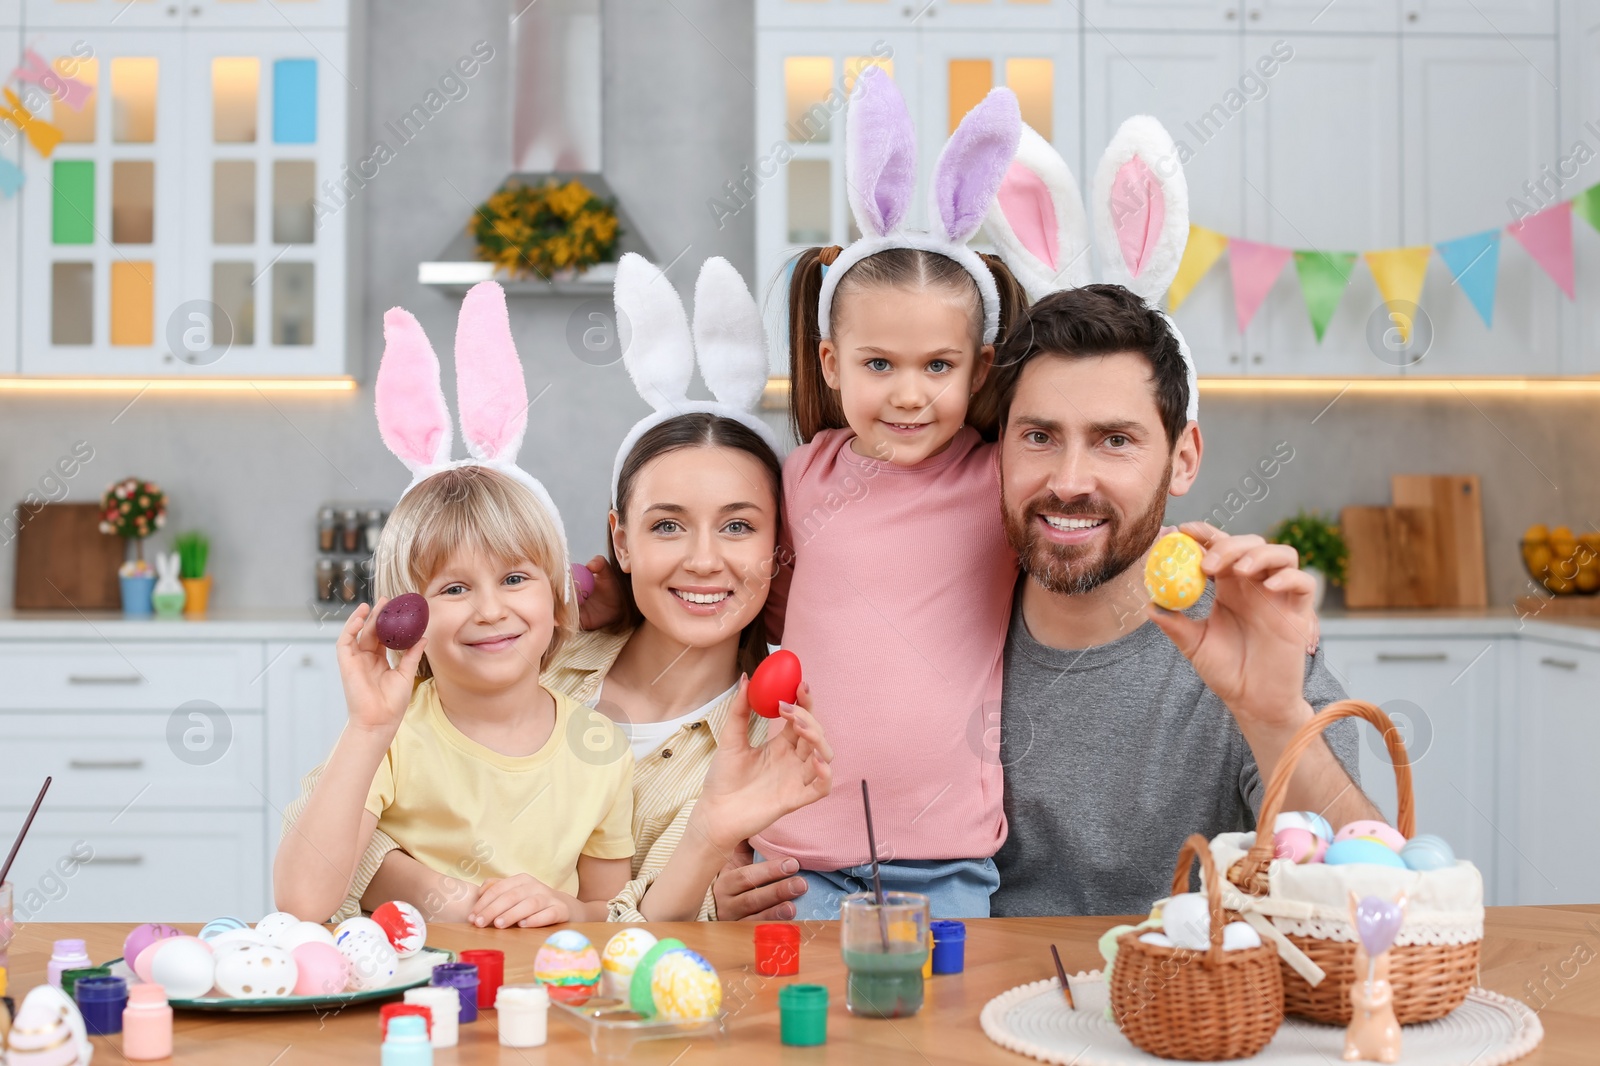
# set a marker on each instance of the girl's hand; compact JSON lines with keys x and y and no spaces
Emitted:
{"x":521,"y":899}
{"x":375,"y":693}
{"x":604,"y":606}
{"x":747,"y":789}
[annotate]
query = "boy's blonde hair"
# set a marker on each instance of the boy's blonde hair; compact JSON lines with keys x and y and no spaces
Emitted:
{"x":471,"y":508}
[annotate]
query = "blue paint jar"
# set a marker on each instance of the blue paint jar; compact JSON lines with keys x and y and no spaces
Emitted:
{"x":463,"y":977}
{"x":100,"y":1001}
{"x":949,"y":946}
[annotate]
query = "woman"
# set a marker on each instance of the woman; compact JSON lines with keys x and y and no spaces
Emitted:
{"x":693,"y":539}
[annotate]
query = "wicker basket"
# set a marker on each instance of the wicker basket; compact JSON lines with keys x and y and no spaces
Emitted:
{"x":1180,"y":1004}
{"x":1430,"y":980}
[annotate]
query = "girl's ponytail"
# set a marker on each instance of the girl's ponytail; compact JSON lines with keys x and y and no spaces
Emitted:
{"x":813,"y":406}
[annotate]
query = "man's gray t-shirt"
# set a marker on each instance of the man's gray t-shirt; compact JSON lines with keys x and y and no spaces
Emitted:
{"x":1113,"y":756}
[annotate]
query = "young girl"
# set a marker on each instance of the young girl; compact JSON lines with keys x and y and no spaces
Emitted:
{"x":520,"y":796}
{"x":901,"y":583}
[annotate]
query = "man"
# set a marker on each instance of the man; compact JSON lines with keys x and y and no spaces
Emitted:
{"x":1120,"y":739}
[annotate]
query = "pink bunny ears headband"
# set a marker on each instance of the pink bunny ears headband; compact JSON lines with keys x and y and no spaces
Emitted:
{"x":659,"y":348}
{"x":881,"y":176}
{"x":414,"y":420}
{"x":1141,"y":220}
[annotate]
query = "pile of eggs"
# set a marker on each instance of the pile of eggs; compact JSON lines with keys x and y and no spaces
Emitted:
{"x":281,"y":956}
{"x":1184,"y":921}
{"x":655,"y":978}
{"x":1306,"y":837}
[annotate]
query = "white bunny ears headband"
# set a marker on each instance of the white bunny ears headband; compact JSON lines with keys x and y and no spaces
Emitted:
{"x":1141,"y":220}
{"x":881,"y":177}
{"x":659,"y":348}
{"x":415,"y":422}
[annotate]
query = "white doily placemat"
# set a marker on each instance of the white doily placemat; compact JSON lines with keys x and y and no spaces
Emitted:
{"x":1034,"y":1020}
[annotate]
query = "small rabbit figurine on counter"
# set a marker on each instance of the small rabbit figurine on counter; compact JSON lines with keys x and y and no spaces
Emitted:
{"x":1374,"y":1033}
{"x":168,"y":596}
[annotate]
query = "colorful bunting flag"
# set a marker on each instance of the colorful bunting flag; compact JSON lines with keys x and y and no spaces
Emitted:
{"x":1199,"y":255}
{"x":1323,"y":277}
{"x":1475,"y":263}
{"x":1399,"y":273}
{"x":10,"y":178}
{"x":70,"y":91}
{"x":1255,"y":267}
{"x":1548,"y":238}
{"x":1586,"y":205}
{"x":44,"y":136}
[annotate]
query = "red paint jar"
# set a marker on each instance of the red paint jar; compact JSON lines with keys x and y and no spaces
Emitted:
{"x":491,"y":966}
{"x":395,"y":1010}
{"x":777,"y":950}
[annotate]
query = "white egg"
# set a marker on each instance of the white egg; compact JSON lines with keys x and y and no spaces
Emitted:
{"x":49,"y":1030}
{"x":360,"y":923}
{"x":372,"y":959}
{"x":1158,"y":939}
{"x":236,"y":938}
{"x":304,"y":933}
{"x":1237,"y":936}
{"x":1186,"y":918}
{"x":184,"y":966}
{"x":275,"y":925}
{"x":256,"y":971}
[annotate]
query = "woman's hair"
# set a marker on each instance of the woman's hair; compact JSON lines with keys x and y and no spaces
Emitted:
{"x":813,"y":406}
{"x":696,"y":431}
{"x":471,"y":508}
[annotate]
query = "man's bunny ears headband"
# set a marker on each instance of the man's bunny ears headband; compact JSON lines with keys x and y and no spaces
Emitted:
{"x":1141,"y":218}
{"x":659,"y":348}
{"x":412,"y":416}
{"x":881,"y":176}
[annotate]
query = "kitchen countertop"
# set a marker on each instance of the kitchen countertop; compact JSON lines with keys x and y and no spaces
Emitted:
{"x":295,"y":624}
{"x":1501,"y":621}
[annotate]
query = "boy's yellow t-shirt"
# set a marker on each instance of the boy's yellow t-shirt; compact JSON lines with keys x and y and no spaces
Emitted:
{"x":467,"y":811}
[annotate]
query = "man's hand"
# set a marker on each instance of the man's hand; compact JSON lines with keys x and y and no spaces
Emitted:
{"x":758,"y":891}
{"x":522,"y":900}
{"x":604,"y":606}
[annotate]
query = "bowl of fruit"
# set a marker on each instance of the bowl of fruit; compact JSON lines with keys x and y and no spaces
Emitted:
{"x":1564,"y":564}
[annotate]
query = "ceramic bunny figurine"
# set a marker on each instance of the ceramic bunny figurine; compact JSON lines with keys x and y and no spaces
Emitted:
{"x":1374,"y":1033}
{"x":168,"y":595}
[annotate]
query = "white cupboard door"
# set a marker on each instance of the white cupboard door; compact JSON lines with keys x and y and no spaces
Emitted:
{"x":1499,"y":19}
{"x":269,"y":14}
{"x":102,"y":14}
{"x":995,"y":14}
{"x":1295,"y":18}
{"x":1322,"y":170}
{"x":10,"y":206}
{"x":305,"y":714}
{"x":1216,"y":16}
{"x":1555,"y":787}
{"x":1441,"y":695}
{"x":1480,"y":125}
{"x":1580,"y":112}
{"x":1195,"y":84}
{"x":843,"y":14}
{"x":269,"y":196}
{"x":103,"y":217}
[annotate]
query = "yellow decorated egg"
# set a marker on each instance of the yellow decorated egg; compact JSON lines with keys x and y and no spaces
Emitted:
{"x":1172,"y":572}
{"x":685,"y":987}
{"x":621,"y":958}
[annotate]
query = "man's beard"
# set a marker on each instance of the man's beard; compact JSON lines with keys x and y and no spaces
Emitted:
{"x":1073,"y":569}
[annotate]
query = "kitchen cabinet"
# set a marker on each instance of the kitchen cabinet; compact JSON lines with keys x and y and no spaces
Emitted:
{"x":1305,"y":17}
{"x":1498,"y":19}
{"x":1213,"y":16}
{"x":10,"y":205}
{"x":172,"y":14}
{"x":305,"y":703}
{"x":1579,"y":45}
{"x":900,"y":14}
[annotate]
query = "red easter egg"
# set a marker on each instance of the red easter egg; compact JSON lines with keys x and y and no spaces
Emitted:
{"x":402,"y":621}
{"x":776,"y":680}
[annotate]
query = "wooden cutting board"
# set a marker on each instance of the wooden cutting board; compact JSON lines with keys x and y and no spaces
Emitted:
{"x":1393,"y":561}
{"x":1458,"y":503}
{"x":64,"y":562}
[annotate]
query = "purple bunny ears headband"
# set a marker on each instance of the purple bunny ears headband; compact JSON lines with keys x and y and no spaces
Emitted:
{"x":1141,"y":220}
{"x":881,"y":176}
{"x":415,"y":422}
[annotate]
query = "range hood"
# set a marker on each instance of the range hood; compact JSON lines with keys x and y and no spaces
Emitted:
{"x":557,"y":121}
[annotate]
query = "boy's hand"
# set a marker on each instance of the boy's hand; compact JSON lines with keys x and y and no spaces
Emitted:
{"x":604,"y":606}
{"x":521,"y":899}
{"x":375,"y":693}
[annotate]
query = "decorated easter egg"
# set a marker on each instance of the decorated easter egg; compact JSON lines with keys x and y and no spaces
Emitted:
{"x":403,"y":925}
{"x":569,"y":965}
{"x":582,"y":581}
{"x":1311,"y":821}
{"x":685,"y":987}
{"x":371,"y":957}
{"x":1156,"y":937}
{"x":217,"y":926}
{"x":1186,"y":918}
{"x":621,"y":956}
{"x":1172,"y":572}
{"x":1354,"y":850}
{"x":1382,"y":832}
{"x":776,"y":680}
{"x":257,"y":972}
{"x":1427,"y":852}
{"x":1238,"y":936}
{"x":640,"y":997}
{"x":1296,"y":845}
{"x":304,"y":933}
{"x":142,"y":936}
{"x":48,"y":1030}
{"x":320,"y":969}
{"x":358,"y":924}
{"x":402,"y":621}
{"x":275,"y":924}
{"x":184,"y":966}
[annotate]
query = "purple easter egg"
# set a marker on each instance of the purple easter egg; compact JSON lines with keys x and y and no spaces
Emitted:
{"x":1378,"y":923}
{"x":402,"y":621}
{"x":143,"y":936}
{"x":583,"y":581}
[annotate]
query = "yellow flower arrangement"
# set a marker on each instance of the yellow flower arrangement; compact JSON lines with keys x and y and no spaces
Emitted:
{"x":541,"y":229}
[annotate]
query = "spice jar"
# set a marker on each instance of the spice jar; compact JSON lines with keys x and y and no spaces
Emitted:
{"x":349,"y":530}
{"x":325,"y":530}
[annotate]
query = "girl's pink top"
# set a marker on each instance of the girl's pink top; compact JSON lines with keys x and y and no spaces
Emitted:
{"x":897,"y":606}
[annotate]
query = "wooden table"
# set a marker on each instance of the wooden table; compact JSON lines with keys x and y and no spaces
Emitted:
{"x":1548,"y":957}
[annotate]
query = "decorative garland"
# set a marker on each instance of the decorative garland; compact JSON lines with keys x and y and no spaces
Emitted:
{"x":545,"y":229}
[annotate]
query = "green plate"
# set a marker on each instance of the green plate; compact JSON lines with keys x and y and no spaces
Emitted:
{"x":411,"y":973}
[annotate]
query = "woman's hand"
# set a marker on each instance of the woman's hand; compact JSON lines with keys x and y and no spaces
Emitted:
{"x":746,"y":789}
{"x":604,"y":606}
{"x":747,"y":890}
{"x":375,"y":693}
{"x":524,"y":900}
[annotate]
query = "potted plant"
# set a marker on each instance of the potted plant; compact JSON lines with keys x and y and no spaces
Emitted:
{"x":194,"y":548}
{"x":1321,"y":546}
{"x":132,"y":509}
